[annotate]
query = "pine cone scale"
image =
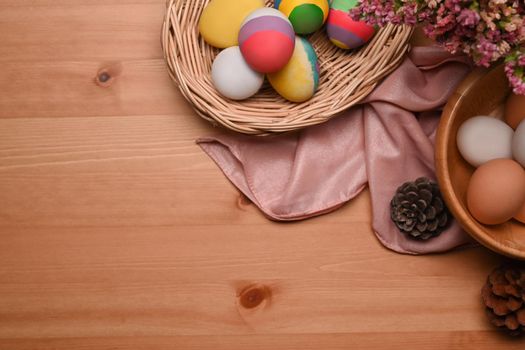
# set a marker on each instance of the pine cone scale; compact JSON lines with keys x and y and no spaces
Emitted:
{"x":421,"y":204}
{"x":438,"y":204}
{"x":431,"y":213}
{"x":512,"y":323}
{"x":499,"y":290}
{"x":412,"y":196}
{"x":513,"y":290}
{"x":425,"y":195}
{"x":443,"y":219}
{"x":520,"y":315}
{"x":514,"y":304}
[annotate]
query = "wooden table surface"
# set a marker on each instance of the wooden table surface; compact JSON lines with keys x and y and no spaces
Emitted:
{"x":117,"y":232}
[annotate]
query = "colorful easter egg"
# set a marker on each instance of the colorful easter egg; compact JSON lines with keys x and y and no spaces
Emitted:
{"x":221,"y":20}
{"x":267,"y":40}
{"x":342,"y":30}
{"x":232,"y":76}
{"x":306,"y":16}
{"x":299,"y":79}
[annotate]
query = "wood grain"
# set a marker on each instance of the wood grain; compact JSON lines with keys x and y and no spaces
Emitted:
{"x":117,"y":232}
{"x":74,"y":30}
{"x":365,"y":341}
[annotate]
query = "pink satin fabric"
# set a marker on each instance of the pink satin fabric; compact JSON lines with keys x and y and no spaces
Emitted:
{"x":385,"y":141}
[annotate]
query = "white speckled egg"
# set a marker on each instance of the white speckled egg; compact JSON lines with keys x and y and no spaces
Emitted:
{"x":481,"y":139}
{"x":233,"y":77}
{"x":518,"y":144}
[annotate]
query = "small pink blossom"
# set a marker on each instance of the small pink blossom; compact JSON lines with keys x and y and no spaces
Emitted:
{"x":514,"y":69}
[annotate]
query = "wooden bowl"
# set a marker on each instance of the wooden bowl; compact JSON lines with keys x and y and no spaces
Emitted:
{"x":484,"y":92}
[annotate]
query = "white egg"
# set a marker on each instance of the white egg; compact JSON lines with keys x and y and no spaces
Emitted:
{"x":481,"y":139}
{"x":518,"y":144}
{"x":232,"y":76}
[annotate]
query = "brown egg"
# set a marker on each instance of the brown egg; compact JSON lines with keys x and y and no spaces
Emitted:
{"x":515,"y":110}
{"x":521,"y":215}
{"x":496,"y":191}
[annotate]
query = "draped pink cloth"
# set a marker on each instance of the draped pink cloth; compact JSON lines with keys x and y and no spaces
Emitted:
{"x":383,"y":142}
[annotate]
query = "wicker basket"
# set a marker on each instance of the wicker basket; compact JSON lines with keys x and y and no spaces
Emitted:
{"x":345,"y":77}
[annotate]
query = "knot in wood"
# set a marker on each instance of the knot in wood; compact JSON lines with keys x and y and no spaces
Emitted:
{"x":104,"y":77}
{"x":253,"y":296}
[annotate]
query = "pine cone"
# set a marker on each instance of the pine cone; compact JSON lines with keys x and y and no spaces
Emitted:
{"x":418,"y":209}
{"x":504,"y":297}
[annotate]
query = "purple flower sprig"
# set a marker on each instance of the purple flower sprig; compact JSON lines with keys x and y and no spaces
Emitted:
{"x":514,"y":68}
{"x":486,"y":30}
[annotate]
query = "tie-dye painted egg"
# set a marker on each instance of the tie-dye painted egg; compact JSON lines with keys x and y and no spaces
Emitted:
{"x":342,"y":30}
{"x":299,"y":79}
{"x":306,"y":16}
{"x":267,"y":40}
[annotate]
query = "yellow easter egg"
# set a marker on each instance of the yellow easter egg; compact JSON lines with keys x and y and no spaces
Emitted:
{"x":221,"y":20}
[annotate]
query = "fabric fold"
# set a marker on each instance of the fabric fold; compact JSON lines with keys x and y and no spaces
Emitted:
{"x":386,"y":140}
{"x":295,"y":176}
